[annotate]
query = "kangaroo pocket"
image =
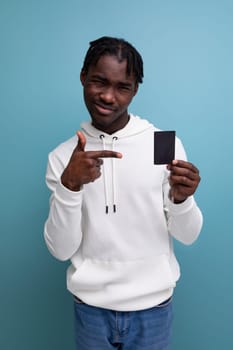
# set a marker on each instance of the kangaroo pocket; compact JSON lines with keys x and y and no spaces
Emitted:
{"x":96,"y":281}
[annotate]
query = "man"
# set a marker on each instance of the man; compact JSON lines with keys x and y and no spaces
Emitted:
{"x":114,"y":213}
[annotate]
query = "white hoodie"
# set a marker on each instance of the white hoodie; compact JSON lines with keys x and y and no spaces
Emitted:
{"x":121,"y":260}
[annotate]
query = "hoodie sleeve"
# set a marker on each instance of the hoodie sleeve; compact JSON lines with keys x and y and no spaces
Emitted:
{"x":62,"y":231}
{"x":184,"y":220}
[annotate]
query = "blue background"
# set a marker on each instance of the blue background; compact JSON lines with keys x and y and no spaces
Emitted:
{"x":187,"y":48}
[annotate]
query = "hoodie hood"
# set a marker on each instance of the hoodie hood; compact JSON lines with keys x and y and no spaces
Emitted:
{"x":135,"y":125}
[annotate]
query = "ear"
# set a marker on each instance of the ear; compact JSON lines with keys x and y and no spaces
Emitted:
{"x":82,"y":77}
{"x":135,"y":89}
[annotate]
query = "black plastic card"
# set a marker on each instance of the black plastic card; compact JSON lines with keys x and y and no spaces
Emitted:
{"x":164,"y":147}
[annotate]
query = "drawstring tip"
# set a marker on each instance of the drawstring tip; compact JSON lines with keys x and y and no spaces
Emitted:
{"x":114,"y":209}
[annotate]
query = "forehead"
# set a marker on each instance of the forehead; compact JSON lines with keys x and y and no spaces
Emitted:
{"x":111,"y":67}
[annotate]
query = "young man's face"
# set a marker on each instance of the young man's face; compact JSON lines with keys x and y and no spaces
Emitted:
{"x":108,"y":91}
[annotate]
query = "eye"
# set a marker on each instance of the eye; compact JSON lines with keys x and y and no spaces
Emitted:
{"x":124,"y":88}
{"x":97,"y":82}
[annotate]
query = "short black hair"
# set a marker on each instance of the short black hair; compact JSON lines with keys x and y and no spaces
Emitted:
{"x":120,"y":48}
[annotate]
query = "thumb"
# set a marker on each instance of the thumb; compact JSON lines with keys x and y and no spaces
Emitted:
{"x":81,"y":141}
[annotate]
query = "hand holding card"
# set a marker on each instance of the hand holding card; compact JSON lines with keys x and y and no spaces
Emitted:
{"x":164,"y":147}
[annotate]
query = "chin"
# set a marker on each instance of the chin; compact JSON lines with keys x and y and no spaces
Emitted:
{"x":102,"y":120}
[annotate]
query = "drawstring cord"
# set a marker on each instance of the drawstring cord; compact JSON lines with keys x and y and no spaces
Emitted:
{"x":113,"y":175}
{"x":102,"y":137}
{"x":105,"y":177}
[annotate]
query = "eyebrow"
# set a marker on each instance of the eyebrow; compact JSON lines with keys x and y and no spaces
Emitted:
{"x":102,"y":78}
{"x":125,"y":84}
{"x":98,"y":76}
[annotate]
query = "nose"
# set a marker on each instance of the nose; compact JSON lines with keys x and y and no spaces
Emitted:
{"x":107,"y":96}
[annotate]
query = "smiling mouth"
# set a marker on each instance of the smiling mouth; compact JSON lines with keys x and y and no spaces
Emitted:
{"x":103,"y":109}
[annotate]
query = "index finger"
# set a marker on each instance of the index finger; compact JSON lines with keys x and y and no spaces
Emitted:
{"x":185,"y":164}
{"x":103,"y":154}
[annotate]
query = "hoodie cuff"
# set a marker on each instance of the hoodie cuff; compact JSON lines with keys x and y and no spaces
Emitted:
{"x":181,"y":208}
{"x":68,"y":197}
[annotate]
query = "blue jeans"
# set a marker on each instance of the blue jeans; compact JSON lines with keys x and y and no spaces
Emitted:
{"x":101,"y":329}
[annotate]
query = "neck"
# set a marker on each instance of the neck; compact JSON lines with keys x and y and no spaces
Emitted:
{"x":111,"y":129}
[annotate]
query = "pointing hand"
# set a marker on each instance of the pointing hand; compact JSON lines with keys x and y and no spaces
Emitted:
{"x":84,"y":166}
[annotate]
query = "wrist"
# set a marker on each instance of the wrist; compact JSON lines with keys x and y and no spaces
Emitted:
{"x":70,"y":185}
{"x":176,"y":200}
